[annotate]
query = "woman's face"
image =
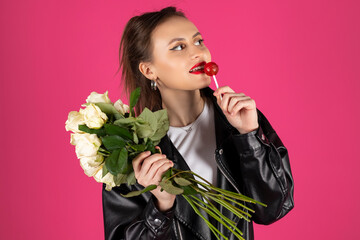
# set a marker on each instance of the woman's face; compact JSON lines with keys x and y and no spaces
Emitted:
{"x":178,"y":49}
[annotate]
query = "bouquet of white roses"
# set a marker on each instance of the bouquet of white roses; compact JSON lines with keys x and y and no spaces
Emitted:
{"x":108,"y":136}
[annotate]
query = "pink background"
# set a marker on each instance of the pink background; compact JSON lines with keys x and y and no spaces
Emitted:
{"x":298,"y":59}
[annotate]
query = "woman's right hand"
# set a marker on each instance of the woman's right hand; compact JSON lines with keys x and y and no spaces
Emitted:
{"x":149,"y":170}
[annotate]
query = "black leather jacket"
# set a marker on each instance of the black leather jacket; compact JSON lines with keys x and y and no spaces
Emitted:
{"x":255,"y":164}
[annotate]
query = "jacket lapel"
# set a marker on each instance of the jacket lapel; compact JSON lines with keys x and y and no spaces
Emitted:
{"x":183,"y":211}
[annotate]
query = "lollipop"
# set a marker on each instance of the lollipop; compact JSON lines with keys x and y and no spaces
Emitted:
{"x":211,"y":69}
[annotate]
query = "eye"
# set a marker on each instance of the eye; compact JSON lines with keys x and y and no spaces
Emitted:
{"x":199,"y":42}
{"x":182,"y":46}
{"x":178,"y":47}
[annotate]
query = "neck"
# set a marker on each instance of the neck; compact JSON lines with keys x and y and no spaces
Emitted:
{"x":183,"y":107}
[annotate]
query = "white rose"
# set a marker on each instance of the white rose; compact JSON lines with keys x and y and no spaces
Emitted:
{"x":95,"y":97}
{"x":108,"y":179}
{"x":93,"y":116}
{"x":122,"y":108}
{"x":91,"y":164}
{"x":86,"y":145}
{"x":74,"y":120}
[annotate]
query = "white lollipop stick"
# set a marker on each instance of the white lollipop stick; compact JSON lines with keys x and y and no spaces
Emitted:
{"x":217,"y":85}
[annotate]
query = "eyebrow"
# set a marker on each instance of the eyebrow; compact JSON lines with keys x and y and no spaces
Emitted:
{"x":181,"y":39}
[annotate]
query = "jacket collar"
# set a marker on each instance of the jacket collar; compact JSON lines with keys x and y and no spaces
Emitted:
{"x":223,"y":130}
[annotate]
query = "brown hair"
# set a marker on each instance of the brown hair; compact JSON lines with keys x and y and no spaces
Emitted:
{"x":136,"y":47}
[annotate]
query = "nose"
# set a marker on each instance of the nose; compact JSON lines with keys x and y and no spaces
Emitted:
{"x":196,"y":52}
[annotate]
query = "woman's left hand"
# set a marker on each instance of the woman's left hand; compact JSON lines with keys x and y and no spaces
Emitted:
{"x":239,"y":109}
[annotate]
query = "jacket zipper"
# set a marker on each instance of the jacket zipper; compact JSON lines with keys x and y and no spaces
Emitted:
{"x":178,"y":228}
{"x":223,"y":171}
{"x":224,"y":174}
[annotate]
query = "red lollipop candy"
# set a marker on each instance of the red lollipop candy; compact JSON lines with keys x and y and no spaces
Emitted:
{"x":211,"y":68}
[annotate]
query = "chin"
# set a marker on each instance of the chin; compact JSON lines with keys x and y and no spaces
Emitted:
{"x":207,"y":81}
{"x":204,"y":84}
{"x":200,"y":82}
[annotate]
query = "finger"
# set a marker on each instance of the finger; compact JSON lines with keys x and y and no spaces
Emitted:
{"x":161,"y":170}
{"x":218,"y":100}
{"x":247,"y":104}
{"x":139,"y":159}
{"x":157,"y":147}
{"x":148,"y":162}
{"x":226,"y":100}
{"x":234,"y":100}
{"x":151,"y":175}
{"x":222,"y":90}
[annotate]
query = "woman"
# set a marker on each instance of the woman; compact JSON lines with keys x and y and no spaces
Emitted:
{"x":163,"y":53}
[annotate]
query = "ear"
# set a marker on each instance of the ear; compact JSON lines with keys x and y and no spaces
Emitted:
{"x":147,"y":70}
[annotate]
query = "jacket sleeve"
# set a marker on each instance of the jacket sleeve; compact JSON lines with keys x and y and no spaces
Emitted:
{"x":135,"y":217}
{"x":265,"y":172}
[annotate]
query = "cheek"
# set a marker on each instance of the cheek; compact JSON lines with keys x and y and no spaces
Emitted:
{"x":208,"y":55}
{"x":169,"y":70}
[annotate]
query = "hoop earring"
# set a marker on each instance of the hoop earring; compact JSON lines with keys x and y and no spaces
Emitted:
{"x":153,"y":85}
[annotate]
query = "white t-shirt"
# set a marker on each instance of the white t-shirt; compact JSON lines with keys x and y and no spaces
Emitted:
{"x":196,"y":143}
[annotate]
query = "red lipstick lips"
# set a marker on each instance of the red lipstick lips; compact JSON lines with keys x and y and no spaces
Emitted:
{"x":198,"y":68}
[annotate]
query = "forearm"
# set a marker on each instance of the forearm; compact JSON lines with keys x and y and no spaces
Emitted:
{"x":266,"y":175}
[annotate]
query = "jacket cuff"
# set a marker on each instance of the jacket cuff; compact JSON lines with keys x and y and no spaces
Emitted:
{"x":251,"y":141}
{"x":158,"y":221}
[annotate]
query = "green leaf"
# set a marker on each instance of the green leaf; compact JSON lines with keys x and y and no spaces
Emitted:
{"x":117,"y":130}
{"x":104,"y":171}
{"x":125,"y":121}
{"x":134,"y":96}
{"x":182,"y":181}
{"x":100,"y":132}
{"x":149,"y":117}
{"x":139,"y":147}
{"x":162,"y":125}
{"x":131,"y":180}
{"x":189,"y":190}
{"x":109,"y":109}
{"x":111,"y":162}
{"x":143,"y":130}
{"x":123,"y":161}
{"x":168,"y":173}
{"x":113,"y":142}
{"x":150,"y":147}
{"x":170,"y":188}
{"x":120,"y":178}
{"x":117,"y":162}
{"x":137,"y":193}
{"x":135,"y":137}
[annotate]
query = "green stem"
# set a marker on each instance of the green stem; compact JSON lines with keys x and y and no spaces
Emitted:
{"x":222,"y":218}
{"x":103,"y":150}
{"x":212,"y":228}
{"x":180,"y":172}
{"x":103,"y":154}
{"x":207,"y":187}
{"x":201,"y":178}
{"x":237,"y":196}
{"x":232,"y":200}
{"x":230,"y":207}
